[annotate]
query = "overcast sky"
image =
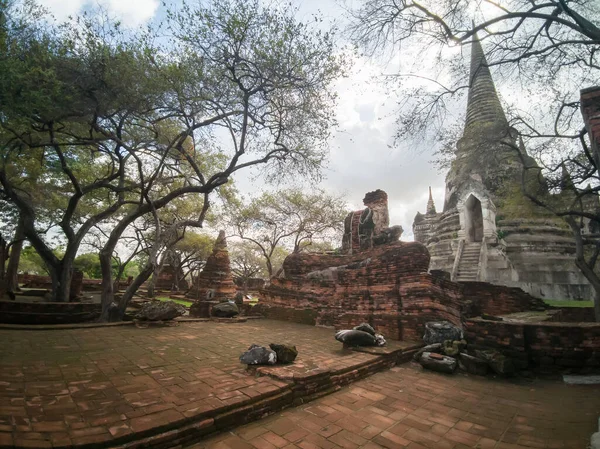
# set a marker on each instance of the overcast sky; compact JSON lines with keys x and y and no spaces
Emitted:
{"x":362,"y":158}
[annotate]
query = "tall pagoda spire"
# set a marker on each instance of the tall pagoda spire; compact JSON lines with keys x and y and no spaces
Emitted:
{"x":430,"y":204}
{"x":483,"y":105}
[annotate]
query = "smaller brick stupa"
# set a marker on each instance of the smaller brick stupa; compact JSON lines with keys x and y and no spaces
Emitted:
{"x":215,"y":282}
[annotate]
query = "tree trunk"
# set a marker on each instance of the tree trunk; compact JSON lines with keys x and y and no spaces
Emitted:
{"x":3,"y":257}
{"x":151,"y":285}
{"x":61,"y":282}
{"x":133,"y":287}
{"x":269,"y":267}
{"x":107,"y":295}
{"x":12,"y":271}
{"x":586,"y":269}
{"x":62,"y":291}
{"x":597,"y":303}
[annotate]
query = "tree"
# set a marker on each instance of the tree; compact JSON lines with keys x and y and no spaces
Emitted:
{"x":247,"y":261}
{"x":89,"y":264}
{"x":31,"y":262}
{"x":114,"y":128}
{"x":192,"y":251}
{"x":289,"y":218}
{"x":547,"y":51}
{"x":11,"y":244}
{"x":62,"y":89}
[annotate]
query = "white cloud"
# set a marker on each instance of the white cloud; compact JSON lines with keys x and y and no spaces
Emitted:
{"x":62,"y":9}
{"x":131,"y":12}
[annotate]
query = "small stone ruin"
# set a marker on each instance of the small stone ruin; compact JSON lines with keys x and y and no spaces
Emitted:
{"x":215,"y":282}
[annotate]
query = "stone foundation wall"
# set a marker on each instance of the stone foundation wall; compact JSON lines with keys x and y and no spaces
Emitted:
{"x":365,"y":291}
{"x":388,"y":287}
{"x":38,"y":281}
{"x":15,"y":312}
{"x":544,"y":344}
{"x":573,"y":315}
{"x":428,"y":298}
{"x":498,"y":299}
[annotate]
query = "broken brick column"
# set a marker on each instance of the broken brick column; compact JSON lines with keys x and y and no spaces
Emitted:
{"x":590,"y":110}
{"x":76,"y":285}
{"x":215,"y":282}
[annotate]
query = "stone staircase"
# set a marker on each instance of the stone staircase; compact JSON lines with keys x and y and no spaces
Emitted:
{"x":469,"y":262}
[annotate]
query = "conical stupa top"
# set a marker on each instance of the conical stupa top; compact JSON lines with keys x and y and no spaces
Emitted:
{"x":566,"y":183}
{"x":483,"y":105}
{"x":430,"y":204}
{"x":221,"y":242}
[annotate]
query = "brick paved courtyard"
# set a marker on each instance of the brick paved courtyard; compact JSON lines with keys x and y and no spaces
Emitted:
{"x":83,"y":386}
{"x":406,"y":407}
{"x":60,"y":388}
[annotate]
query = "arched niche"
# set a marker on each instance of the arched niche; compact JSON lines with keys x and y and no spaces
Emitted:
{"x":473,"y":219}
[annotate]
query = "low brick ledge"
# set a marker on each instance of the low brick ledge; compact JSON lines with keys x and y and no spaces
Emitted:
{"x":295,"y":391}
{"x":49,"y":327}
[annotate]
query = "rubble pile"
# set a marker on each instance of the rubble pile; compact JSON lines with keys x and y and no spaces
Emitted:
{"x":447,"y":351}
{"x":362,"y":335}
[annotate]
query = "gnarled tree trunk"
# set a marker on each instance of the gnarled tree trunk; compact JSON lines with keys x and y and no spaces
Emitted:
{"x":12,"y":271}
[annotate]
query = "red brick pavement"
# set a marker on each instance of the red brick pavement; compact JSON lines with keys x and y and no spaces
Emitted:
{"x":406,"y":407}
{"x":60,"y":388}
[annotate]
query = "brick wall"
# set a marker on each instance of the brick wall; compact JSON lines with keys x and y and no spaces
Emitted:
{"x":498,"y":299}
{"x":428,"y":298}
{"x":590,"y":110}
{"x":37,"y":281}
{"x":573,"y":315}
{"x":388,"y":287}
{"x":15,"y":312}
{"x":539,"y":344}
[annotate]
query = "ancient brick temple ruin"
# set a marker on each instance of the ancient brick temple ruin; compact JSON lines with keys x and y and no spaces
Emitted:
{"x":387,"y":283}
{"x":488,"y":231}
{"x":215,"y":282}
{"x":378,"y":280}
{"x":171,"y":275}
{"x":369,"y":226}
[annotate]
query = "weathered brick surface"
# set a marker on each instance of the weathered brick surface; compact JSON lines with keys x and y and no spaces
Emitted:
{"x":76,"y":285}
{"x":16,"y":312}
{"x":37,"y":281}
{"x":428,"y":298}
{"x":498,"y":299}
{"x":366,"y":291}
{"x":406,"y":407}
{"x":388,"y":287}
{"x":539,"y":344}
{"x":590,"y":110}
{"x":573,"y":315}
{"x":215,"y":282}
{"x":161,"y":387}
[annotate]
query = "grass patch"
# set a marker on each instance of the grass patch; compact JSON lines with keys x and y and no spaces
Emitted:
{"x":563,"y":303}
{"x":183,"y":302}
